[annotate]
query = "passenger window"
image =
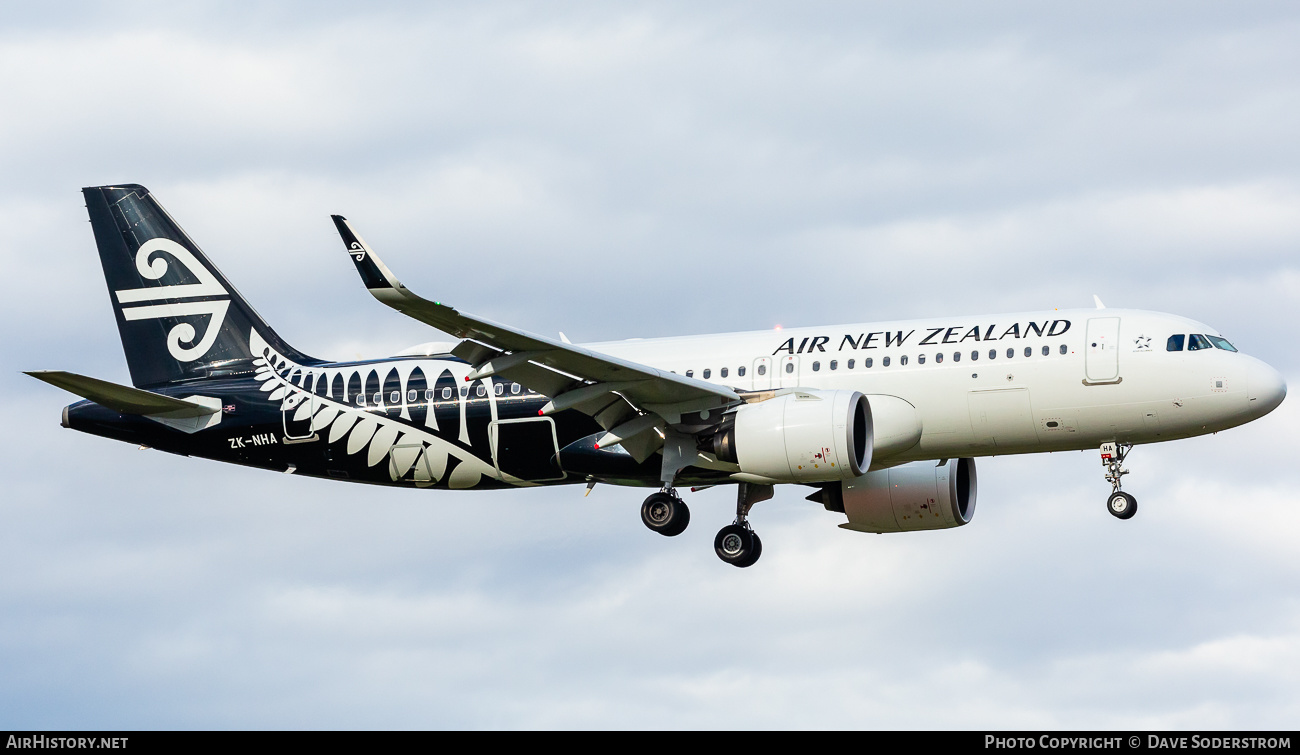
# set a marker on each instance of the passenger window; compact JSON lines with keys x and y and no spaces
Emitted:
{"x":1047,"y":350}
{"x":849,"y":365}
{"x":395,"y":398}
{"x":500,"y":389}
{"x":956,"y":356}
{"x":377,"y":399}
{"x":708,"y":373}
{"x":1011,"y":353}
{"x":938,"y":358}
{"x":1221,"y":343}
{"x":920,"y":359}
{"x":867,"y":363}
{"x":816,"y":366}
{"x":834,"y":364}
{"x":1196,"y":342}
{"x":446,"y":393}
{"x":762,"y":369}
{"x":361,"y":400}
{"x":1029,"y":352}
{"x":974,"y":355}
{"x":902,"y":359}
{"x":412,"y":396}
{"x":789,"y":367}
{"x":884,"y":362}
{"x":722,"y":372}
{"x":1063,"y":350}
{"x":514,"y":389}
{"x":993,"y":353}
{"x":428,"y":394}
{"x":690,"y":373}
{"x":740,"y":371}
{"x":480,"y":391}
{"x":464,"y":391}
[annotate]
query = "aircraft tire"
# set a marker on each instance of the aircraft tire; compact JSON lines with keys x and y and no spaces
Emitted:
{"x":758,"y":550}
{"x":1121,"y":505}
{"x":666,"y":514}
{"x":737,"y":545}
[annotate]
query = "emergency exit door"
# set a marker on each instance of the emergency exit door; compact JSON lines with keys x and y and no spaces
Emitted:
{"x":1101,"y":350}
{"x":762,"y":373}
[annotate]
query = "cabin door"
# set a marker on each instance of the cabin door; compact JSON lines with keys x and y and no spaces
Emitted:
{"x":526,"y":449}
{"x":296,"y":413}
{"x":1101,"y":350}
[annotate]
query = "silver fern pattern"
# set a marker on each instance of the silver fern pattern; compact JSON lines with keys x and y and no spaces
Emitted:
{"x":416,"y":455}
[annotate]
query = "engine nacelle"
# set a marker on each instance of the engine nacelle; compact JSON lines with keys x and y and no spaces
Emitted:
{"x":916,"y":496}
{"x":800,"y":436}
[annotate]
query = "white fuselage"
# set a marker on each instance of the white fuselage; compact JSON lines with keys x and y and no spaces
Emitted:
{"x":998,"y":384}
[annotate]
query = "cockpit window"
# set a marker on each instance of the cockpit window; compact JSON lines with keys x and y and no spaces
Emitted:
{"x":1175,"y":342}
{"x":1196,"y":342}
{"x":1221,"y":343}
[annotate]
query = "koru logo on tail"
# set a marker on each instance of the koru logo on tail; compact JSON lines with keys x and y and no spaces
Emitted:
{"x":181,"y":339}
{"x":357,"y":251}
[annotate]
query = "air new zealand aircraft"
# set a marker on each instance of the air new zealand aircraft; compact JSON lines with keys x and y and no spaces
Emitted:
{"x":881,"y":421}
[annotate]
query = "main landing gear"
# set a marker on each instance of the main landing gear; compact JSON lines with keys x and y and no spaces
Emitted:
{"x":1120,"y":504}
{"x":666,"y":513}
{"x":737,"y":543}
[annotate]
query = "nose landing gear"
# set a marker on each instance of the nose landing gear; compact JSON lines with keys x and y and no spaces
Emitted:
{"x":737,"y":543}
{"x":1121,"y":505}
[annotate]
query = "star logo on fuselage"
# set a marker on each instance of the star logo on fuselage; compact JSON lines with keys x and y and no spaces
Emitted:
{"x":1142,"y":343}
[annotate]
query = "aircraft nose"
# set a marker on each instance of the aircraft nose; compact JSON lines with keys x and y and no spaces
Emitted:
{"x":1265,"y":388}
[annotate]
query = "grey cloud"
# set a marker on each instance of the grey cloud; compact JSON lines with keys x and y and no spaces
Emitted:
{"x":656,"y":171}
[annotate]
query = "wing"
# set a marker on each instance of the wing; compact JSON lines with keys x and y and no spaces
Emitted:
{"x":620,"y":394}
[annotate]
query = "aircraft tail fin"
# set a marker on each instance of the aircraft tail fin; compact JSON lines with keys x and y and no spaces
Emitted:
{"x":178,"y":316}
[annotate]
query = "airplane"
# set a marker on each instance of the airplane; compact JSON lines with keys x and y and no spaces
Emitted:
{"x":882,"y":421}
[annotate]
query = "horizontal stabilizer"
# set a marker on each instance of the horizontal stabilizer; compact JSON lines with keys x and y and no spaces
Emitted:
{"x":122,"y":398}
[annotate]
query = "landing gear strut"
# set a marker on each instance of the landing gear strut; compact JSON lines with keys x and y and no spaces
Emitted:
{"x":666,"y":513}
{"x":737,"y":543}
{"x":1120,"y":504}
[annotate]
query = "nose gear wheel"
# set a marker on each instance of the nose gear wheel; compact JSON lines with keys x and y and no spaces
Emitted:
{"x":1121,"y":505}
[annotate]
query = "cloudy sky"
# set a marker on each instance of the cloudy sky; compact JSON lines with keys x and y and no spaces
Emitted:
{"x":619,"y":170}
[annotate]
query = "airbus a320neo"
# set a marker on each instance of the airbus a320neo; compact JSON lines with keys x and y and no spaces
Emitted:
{"x":880,"y":420}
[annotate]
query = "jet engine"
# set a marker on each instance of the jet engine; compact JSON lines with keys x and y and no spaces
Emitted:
{"x":916,"y":496}
{"x":800,"y":436}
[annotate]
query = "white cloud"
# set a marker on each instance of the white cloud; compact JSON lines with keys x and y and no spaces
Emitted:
{"x":616,"y":173}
